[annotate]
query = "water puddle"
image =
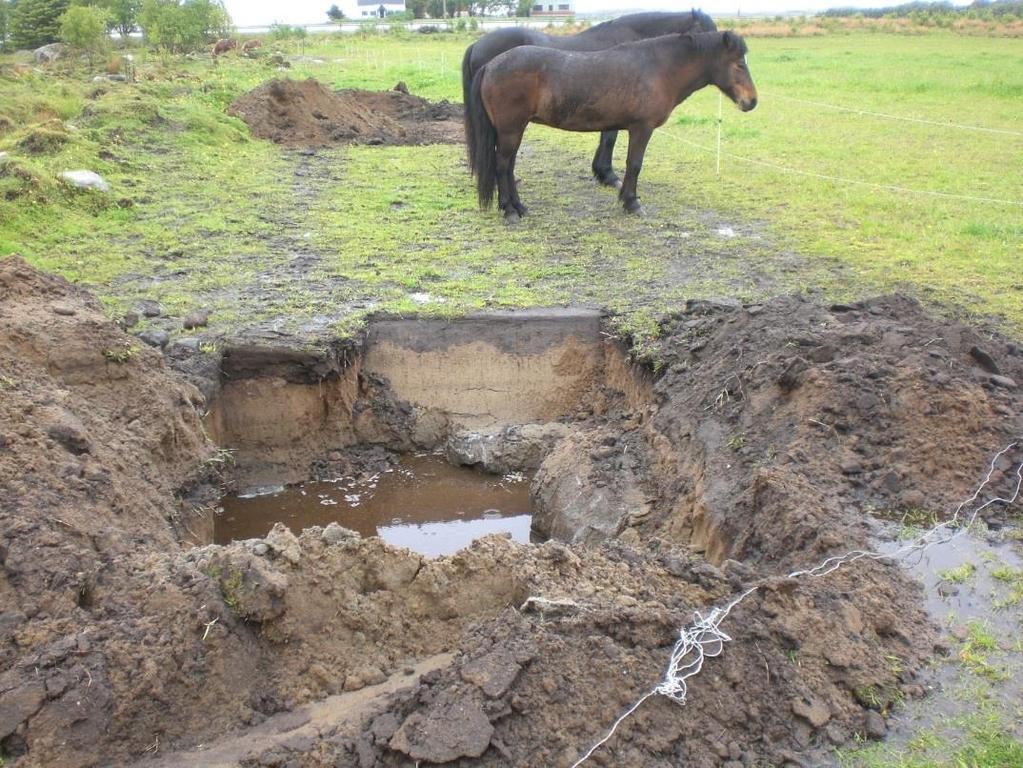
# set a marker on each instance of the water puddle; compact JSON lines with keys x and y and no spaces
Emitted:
{"x":424,"y":504}
{"x":973,"y":589}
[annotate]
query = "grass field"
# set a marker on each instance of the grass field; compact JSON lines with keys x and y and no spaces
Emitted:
{"x":212,"y":216}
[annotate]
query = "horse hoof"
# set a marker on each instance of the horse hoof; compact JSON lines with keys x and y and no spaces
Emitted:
{"x":633,"y":206}
{"x":522,"y":210}
{"x":610,"y":181}
{"x":511,"y":216}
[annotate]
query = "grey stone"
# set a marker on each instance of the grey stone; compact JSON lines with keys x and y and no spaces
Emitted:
{"x":149,"y":308}
{"x":196,"y":320}
{"x":154,"y":337}
{"x":875,"y":726}
{"x":335,"y":533}
{"x":47,"y":53}
{"x":1004,"y":382}
{"x":514,"y":448}
{"x":85,"y":180}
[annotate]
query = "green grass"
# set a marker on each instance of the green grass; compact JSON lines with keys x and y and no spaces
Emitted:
{"x":209,"y":218}
{"x":975,"y":741}
{"x":958,"y":575}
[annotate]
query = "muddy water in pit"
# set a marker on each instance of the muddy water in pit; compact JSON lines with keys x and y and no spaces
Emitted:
{"x":423,"y":503}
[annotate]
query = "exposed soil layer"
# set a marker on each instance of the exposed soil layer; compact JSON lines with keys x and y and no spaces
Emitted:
{"x":306,"y":113}
{"x":758,"y":446}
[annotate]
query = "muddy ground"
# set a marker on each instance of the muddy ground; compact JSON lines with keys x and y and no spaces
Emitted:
{"x":304,"y":113}
{"x":767,"y":438}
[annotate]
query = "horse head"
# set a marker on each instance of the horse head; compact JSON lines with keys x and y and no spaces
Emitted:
{"x":731,"y":74}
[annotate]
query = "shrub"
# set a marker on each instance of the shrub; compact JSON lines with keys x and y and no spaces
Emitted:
{"x":84,"y":28}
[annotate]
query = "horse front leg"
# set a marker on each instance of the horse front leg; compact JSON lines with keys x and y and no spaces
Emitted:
{"x":508,"y":194}
{"x":639,"y":136}
{"x":602,"y":160}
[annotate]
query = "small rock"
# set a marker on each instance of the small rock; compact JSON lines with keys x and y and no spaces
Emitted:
{"x":70,"y":435}
{"x":1003,"y":381}
{"x":284,"y":544}
{"x":372,"y":675}
{"x":875,"y":726}
{"x":149,"y":308}
{"x":65,"y":310}
{"x":984,"y":360}
{"x":354,"y":683}
{"x":814,"y":711}
{"x":154,"y":337}
{"x":187,"y":344}
{"x":335,"y":533}
{"x":196,"y":320}
{"x":129,"y":320}
{"x":86,"y":180}
{"x":401,"y":87}
{"x":947,"y":590}
{"x":851,"y":467}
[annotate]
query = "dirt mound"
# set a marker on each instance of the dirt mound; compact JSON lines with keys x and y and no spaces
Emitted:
{"x":760,"y":441}
{"x":305,"y":113}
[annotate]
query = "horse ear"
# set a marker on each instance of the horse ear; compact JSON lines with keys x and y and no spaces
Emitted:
{"x":730,"y":40}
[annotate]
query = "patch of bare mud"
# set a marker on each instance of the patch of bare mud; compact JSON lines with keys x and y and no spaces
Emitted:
{"x":755,"y":447}
{"x":306,"y":113}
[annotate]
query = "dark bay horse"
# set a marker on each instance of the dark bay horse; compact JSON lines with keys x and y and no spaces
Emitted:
{"x":631,"y":87}
{"x":624,"y":29}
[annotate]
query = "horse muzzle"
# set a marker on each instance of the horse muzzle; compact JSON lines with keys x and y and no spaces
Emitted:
{"x":747,"y":104}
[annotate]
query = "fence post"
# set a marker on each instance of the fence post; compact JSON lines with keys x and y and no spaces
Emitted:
{"x":719,"y":135}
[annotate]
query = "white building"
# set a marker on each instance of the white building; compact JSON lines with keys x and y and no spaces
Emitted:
{"x":378,"y":8}
{"x":553,"y":8}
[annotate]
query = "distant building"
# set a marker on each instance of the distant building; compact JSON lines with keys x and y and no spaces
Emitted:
{"x":379,"y":8}
{"x":552,"y":9}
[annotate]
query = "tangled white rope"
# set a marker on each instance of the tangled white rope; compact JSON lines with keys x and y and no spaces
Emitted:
{"x":704,"y":639}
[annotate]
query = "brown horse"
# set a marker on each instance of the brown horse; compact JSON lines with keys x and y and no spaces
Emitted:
{"x":631,"y":87}
{"x":625,"y":29}
{"x":223,"y":46}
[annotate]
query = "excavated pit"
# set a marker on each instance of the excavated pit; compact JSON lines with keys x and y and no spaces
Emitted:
{"x":427,"y":433}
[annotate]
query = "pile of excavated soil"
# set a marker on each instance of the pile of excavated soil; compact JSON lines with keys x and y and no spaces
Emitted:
{"x":305,"y":113}
{"x":763,"y":439}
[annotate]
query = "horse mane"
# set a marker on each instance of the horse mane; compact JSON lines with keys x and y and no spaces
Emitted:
{"x":637,"y":21}
{"x":711,"y":42}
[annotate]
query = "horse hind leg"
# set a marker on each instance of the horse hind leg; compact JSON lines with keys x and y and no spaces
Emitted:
{"x":507,"y":191}
{"x":603,"y":159}
{"x":638,"y":139}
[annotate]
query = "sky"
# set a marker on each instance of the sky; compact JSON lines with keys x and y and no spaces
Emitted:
{"x":256,"y":12}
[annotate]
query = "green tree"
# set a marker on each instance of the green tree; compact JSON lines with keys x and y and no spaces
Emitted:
{"x":182,"y":26}
{"x":124,"y":14}
{"x":36,"y":22}
{"x":524,"y":7}
{"x":5,"y":16}
{"x":335,"y":14}
{"x":84,"y":28}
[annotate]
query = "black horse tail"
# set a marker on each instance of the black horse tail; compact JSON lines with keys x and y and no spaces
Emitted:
{"x":466,"y":91}
{"x":481,"y":138}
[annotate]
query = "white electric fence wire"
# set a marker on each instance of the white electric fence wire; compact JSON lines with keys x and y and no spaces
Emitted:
{"x":704,"y":639}
{"x":885,"y":116}
{"x":841,"y":180}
